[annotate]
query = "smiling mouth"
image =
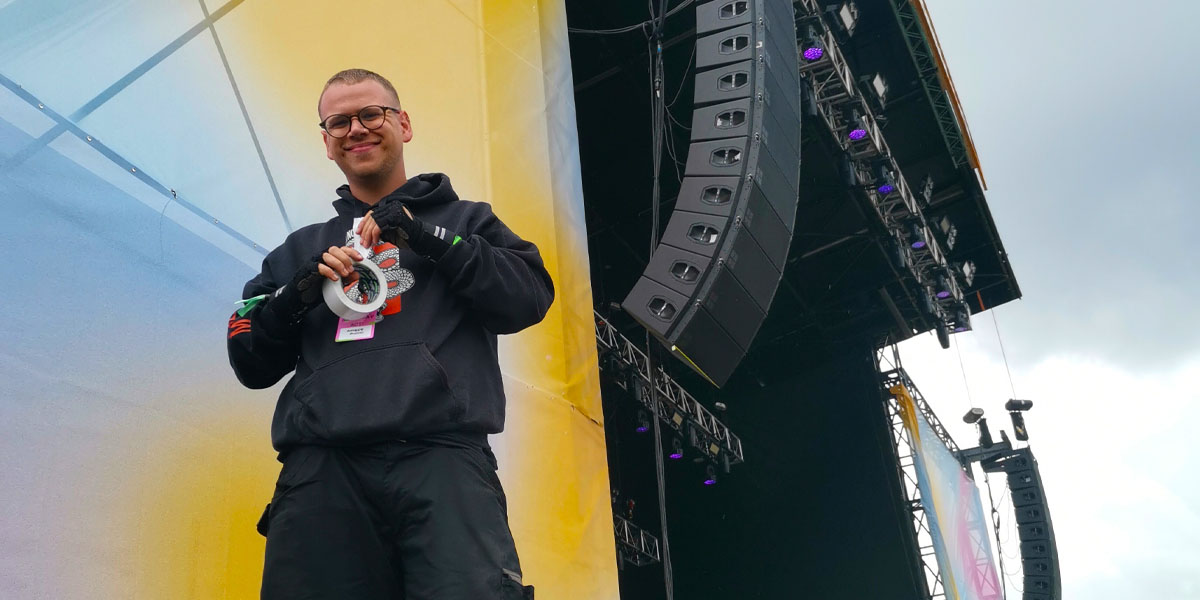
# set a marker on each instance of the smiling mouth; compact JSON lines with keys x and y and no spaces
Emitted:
{"x":359,"y":148}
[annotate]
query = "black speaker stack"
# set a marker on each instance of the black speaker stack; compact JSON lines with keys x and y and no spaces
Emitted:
{"x":1039,"y":553}
{"x":711,"y":280}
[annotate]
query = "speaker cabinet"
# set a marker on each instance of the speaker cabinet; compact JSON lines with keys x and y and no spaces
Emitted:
{"x":712,"y":278}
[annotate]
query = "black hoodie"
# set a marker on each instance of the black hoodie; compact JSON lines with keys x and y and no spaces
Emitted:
{"x":431,"y":367}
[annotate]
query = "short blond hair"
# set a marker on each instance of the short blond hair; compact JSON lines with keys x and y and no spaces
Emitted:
{"x":353,"y":76}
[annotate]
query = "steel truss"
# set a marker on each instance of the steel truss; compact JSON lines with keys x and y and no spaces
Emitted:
{"x":677,"y":406}
{"x":897,"y":381}
{"x":898,"y":376}
{"x":906,"y":465}
{"x":635,"y":546}
{"x":831,"y":84}
{"x":927,"y":72}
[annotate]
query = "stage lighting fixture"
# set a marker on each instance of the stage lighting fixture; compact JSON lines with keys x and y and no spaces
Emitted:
{"x":949,"y":231}
{"x":943,"y":335}
{"x":610,"y":361}
{"x":885,"y":181}
{"x":927,"y":189}
{"x":1015,"y":408}
{"x":1018,"y":423}
{"x":943,"y":287}
{"x":676,"y":419}
{"x":1018,"y":405}
{"x":879,"y":86}
{"x":967,"y":269}
{"x":973,"y":416}
{"x":635,"y":385}
{"x":855,"y":129}
{"x":917,"y":233}
{"x":846,"y":15}
{"x":928,"y":304}
{"x":710,"y":475}
{"x":643,"y":422}
{"x":962,"y":318}
{"x":813,"y":47}
{"x":720,"y":406}
{"x":676,"y":448}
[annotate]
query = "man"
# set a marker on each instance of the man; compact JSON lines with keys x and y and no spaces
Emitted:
{"x":388,"y":487}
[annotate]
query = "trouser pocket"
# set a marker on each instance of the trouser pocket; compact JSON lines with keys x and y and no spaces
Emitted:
{"x":264,"y":522}
{"x":511,"y":588}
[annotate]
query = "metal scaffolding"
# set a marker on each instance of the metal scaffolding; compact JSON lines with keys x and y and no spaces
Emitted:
{"x":832,"y":87}
{"x":635,"y":546}
{"x":677,"y":408}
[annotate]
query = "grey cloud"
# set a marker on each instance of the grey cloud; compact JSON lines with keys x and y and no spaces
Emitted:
{"x":1085,"y":124}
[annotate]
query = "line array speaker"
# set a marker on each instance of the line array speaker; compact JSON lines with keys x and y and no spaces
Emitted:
{"x":711,"y":280}
{"x":1039,"y":553}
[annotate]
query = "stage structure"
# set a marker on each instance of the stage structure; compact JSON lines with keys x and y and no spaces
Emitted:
{"x":1039,"y":550}
{"x":948,"y":516}
{"x":634,"y":546}
{"x":622,"y":360}
{"x":918,"y":244}
{"x":890,"y":236}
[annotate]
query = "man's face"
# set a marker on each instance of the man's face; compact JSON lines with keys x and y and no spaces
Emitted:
{"x":363,"y":154}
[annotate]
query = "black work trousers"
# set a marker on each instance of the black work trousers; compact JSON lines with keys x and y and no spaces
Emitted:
{"x":395,"y":521}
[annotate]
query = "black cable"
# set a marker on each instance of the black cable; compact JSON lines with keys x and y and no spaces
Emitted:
{"x":658,"y":104}
{"x":635,"y":27}
{"x":996,"y":531}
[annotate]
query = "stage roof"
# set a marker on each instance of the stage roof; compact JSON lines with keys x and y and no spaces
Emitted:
{"x":839,"y":284}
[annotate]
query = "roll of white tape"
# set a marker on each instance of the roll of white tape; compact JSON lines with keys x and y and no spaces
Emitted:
{"x":375,"y":284}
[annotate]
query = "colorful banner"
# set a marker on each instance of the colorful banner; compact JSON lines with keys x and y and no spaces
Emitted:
{"x":151,"y":152}
{"x":952,"y":506}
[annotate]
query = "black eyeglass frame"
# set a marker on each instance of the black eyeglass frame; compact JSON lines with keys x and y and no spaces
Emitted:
{"x":358,"y":115}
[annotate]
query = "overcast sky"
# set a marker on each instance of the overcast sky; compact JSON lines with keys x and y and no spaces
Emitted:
{"x":1084,"y":115}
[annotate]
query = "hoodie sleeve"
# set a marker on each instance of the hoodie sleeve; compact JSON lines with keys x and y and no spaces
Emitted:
{"x":261,"y":349}
{"x":500,"y":275}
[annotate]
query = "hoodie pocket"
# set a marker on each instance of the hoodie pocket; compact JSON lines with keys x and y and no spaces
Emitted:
{"x":391,"y":392}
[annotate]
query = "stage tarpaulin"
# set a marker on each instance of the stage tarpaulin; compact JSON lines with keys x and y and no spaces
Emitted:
{"x":151,"y":152}
{"x":952,"y":506}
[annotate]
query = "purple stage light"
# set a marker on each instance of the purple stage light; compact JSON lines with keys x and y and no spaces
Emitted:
{"x":886,"y":189}
{"x":943,"y":294}
{"x":710,"y":482}
{"x":642,"y":429}
{"x":959,"y":329}
{"x":917,"y":245}
{"x":676,"y":455}
{"x":857,"y":134}
{"x":813,"y":54}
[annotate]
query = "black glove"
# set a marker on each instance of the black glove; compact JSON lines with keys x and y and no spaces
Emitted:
{"x":398,"y":226}
{"x":288,"y":304}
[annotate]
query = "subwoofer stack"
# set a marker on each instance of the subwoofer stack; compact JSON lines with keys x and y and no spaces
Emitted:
{"x":711,"y":280}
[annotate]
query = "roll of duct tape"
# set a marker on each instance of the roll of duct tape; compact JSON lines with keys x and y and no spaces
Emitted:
{"x":372,"y":292}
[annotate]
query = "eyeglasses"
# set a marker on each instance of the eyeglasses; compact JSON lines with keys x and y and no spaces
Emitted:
{"x":371,"y":117}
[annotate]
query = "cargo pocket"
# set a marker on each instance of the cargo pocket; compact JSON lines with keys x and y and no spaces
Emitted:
{"x":387,"y":392}
{"x":264,"y":522}
{"x":295,"y":471}
{"x":511,"y":588}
